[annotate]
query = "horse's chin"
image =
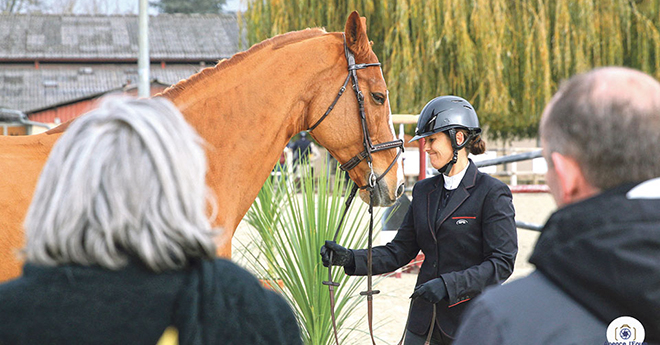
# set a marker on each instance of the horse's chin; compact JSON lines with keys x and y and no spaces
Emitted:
{"x":382,"y":196}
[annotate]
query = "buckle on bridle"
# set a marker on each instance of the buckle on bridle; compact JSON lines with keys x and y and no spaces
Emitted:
{"x":373,"y":179}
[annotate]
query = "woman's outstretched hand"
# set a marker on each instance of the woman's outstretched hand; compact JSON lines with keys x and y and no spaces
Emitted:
{"x":340,"y":256}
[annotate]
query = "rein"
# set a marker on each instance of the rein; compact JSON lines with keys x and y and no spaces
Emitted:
{"x":372,"y":182}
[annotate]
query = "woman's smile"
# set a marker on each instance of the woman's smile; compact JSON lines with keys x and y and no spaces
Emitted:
{"x":438,"y":147}
{"x":435,"y":158}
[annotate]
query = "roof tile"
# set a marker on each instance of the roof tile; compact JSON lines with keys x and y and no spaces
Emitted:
{"x":22,"y":87}
{"x":207,"y":37}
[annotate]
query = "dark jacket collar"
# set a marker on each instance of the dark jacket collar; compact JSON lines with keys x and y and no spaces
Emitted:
{"x":603,"y":252}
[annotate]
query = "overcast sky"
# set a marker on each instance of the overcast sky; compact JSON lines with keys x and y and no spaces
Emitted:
{"x":126,"y":6}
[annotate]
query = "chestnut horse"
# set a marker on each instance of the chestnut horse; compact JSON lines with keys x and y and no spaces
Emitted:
{"x":246,"y":108}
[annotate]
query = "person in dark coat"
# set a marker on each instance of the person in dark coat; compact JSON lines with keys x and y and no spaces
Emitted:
{"x":301,"y":149}
{"x":119,"y":247}
{"x":462,"y":220}
{"x":597,"y":277}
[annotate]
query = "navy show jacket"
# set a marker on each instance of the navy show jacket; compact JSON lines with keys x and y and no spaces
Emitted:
{"x":472,"y":243}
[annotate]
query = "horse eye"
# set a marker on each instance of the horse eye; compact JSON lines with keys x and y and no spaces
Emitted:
{"x":378,"y":97}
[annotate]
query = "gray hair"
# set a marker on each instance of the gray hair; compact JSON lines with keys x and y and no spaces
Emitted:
{"x":125,"y":181}
{"x":608,"y":120}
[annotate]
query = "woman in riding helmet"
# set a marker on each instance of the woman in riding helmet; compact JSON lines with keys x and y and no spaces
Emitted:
{"x":462,"y":220}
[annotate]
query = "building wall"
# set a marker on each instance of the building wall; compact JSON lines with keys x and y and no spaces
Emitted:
{"x":12,"y":129}
{"x":63,"y":113}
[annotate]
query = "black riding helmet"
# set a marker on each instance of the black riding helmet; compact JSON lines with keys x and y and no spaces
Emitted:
{"x":446,"y":114}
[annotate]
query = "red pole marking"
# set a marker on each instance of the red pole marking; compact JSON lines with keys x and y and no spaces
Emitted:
{"x":422,"y":160}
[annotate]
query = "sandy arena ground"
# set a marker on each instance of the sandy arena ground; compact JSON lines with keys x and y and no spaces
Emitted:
{"x":391,"y":305}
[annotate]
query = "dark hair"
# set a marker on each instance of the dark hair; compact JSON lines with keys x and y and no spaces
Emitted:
{"x":477,"y":146}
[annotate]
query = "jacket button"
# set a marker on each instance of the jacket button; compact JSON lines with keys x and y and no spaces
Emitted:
{"x":434,"y":265}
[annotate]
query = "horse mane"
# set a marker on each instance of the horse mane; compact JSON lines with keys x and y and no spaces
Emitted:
{"x":275,"y":42}
{"x":60,"y":128}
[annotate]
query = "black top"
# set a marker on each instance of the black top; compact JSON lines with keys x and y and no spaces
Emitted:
{"x":214,"y":302}
{"x":446,"y":194}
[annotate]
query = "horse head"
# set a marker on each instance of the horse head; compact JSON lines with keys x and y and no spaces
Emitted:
{"x":362,"y":139}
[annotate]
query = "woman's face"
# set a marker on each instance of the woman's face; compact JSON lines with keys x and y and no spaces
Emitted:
{"x":438,"y":147}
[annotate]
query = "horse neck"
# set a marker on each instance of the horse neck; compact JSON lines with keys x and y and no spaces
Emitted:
{"x":247,"y":113}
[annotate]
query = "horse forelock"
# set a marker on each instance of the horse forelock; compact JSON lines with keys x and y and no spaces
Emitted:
{"x":274,"y":43}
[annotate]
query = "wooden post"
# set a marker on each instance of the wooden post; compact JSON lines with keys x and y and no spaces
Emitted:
{"x":422,"y":159}
{"x":144,"y":87}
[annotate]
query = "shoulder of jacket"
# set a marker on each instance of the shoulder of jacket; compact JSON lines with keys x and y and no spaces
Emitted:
{"x":228,"y":271}
{"x":490,"y":182}
{"x":427,"y":183}
{"x":540,"y":300}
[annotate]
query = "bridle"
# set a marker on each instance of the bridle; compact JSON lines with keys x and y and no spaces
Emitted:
{"x":372,"y":182}
{"x":369,"y":147}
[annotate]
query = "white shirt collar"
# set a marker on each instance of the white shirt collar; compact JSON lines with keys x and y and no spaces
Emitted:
{"x":452,"y":182}
{"x":649,"y":189}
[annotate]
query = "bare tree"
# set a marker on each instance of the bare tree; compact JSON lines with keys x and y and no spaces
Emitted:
{"x":17,"y":6}
{"x":92,"y":7}
{"x":62,"y":6}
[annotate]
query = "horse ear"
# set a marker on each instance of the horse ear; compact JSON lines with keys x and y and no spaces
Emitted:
{"x":356,"y":35}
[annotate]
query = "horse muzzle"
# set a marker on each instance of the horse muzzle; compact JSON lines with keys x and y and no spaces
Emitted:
{"x":383,"y":196}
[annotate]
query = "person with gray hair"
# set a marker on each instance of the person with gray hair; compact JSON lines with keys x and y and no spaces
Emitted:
{"x":597,"y":278}
{"x":119,"y":245}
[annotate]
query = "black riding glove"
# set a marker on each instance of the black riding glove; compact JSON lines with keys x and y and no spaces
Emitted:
{"x":433,"y":290}
{"x":340,"y":256}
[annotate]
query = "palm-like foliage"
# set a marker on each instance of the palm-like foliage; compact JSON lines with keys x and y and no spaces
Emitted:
{"x":507,"y":57}
{"x":293,"y":216}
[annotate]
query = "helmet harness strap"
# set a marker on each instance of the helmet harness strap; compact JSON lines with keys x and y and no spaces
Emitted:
{"x":454,"y":144}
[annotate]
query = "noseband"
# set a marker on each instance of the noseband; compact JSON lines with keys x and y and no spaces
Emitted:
{"x":369,"y":147}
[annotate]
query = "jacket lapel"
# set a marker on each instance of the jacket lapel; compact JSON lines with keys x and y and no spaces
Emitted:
{"x":458,"y":197}
{"x":433,"y":199}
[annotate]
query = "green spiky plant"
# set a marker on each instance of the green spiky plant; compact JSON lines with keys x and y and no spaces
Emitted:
{"x":292,"y":216}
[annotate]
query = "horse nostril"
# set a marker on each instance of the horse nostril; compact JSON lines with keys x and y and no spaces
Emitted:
{"x":399,"y":191}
